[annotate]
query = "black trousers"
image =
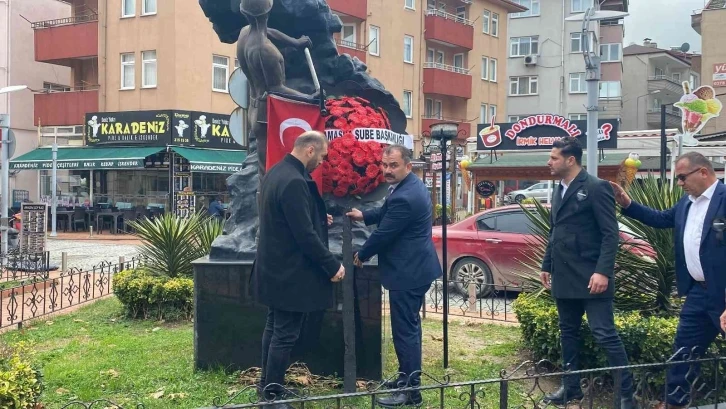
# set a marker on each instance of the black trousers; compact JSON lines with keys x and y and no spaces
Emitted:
{"x":602,"y":324}
{"x":406,"y":330}
{"x":282,"y":331}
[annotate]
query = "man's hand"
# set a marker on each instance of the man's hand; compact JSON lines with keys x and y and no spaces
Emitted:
{"x":723,"y":321}
{"x":338,"y":277}
{"x":304,"y":41}
{"x":330,"y":220}
{"x":621,"y":197}
{"x":598,"y":283}
{"x":357,"y":261}
{"x":355,"y":214}
{"x":545,"y":277}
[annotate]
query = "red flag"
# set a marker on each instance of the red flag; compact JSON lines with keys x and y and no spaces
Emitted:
{"x":286,"y":120}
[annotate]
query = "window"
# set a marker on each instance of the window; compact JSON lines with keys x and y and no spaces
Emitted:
{"x":430,"y":4}
{"x":128,"y":8}
{"x":433,"y":109}
{"x":459,"y":60}
{"x":484,"y":68}
{"x":407,"y":102}
{"x":659,"y":73}
{"x":219,"y":73}
{"x":347,"y":36}
{"x":373,"y":40}
{"x":577,"y":83}
{"x":523,"y":46}
{"x":532,"y":6}
{"x":579,"y":6}
{"x":578,"y":117}
{"x":148,"y":7}
{"x":486,"y":21}
{"x":495,"y":24}
{"x":693,"y":80}
{"x":127,"y":71}
{"x":461,"y":13}
{"x":408,"y":49}
{"x":610,"y":89}
{"x":523,"y":86}
{"x":493,"y":69}
{"x":516,"y":222}
{"x":49,"y":86}
{"x":148,"y":69}
{"x":440,"y":57}
{"x":409,"y":4}
{"x":438,"y":110}
{"x":483,"y":111}
{"x":677,"y":77}
{"x":486,"y":223}
{"x":492,"y":112}
{"x":516,"y":118}
{"x":577,"y":42}
{"x":610,"y":52}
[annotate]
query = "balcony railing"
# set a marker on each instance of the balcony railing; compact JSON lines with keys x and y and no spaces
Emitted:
{"x":672,"y":111}
{"x":450,"y":68}
{"x":67,"y":21}
{"x":664,"y":77}
{"x":439,"y":117}
{"x":453,"y":17}
{"x":349,"y":44}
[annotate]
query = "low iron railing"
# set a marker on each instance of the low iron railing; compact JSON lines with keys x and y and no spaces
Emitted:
{"x":67,"y":21}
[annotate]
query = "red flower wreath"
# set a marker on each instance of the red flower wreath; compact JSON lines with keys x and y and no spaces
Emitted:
{"x":353,"y":167}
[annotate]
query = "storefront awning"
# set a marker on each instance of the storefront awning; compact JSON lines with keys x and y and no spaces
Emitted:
{"x":74,"y":158}
{"x":212,"y":160}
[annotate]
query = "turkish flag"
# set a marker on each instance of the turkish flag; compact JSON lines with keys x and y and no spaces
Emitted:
{"x":286,"y":120}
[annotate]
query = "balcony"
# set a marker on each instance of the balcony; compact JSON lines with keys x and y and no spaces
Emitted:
{"x":427,"y":121}
{"x":444,"y":79}
{"x":65,"y":108}
{"x":352,"y":49}
{"x":611,"y":107}
{"x":666,"y":85}
{"x":673,"y":118}
{"x":353,"y":8}
{"x":61,"y":40}
{"x":449,"y":29}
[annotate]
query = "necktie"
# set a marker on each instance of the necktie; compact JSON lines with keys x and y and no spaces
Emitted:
{"x":390,"y":190}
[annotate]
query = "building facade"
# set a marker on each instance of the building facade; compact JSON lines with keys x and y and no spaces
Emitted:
{"x":709,"y":22}
{"x":545,"y":64}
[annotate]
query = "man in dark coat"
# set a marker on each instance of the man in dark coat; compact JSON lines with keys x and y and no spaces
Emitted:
{"x":407,"y":261}
{"x":579,"y":266}
{"x":294,"y":269}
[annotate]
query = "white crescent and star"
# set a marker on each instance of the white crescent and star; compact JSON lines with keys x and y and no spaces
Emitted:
{"x":293,"y":123}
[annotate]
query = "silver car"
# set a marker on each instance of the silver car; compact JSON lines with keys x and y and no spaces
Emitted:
{"x":537,"y":191}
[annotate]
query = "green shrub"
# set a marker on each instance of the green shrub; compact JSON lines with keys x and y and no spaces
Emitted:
{"x":154,"y":296}
{"x":20,"y":382}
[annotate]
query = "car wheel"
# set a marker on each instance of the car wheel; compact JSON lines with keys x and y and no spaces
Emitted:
{"x":472,"y":270}
{"x":519,"y":198}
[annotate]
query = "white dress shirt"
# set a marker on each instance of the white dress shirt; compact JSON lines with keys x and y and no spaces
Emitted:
{"x":694,"y":230}
{"x":564,"y":187}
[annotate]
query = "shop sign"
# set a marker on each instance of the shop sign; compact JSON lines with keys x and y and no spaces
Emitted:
{"x":215,"y":168}
{"x":81,"y":164}
{"x":486,"y":188}
{"x":719,"y":75}
{"x":211,"y":131}
{"x":541,"y":132}
{"x":185,"y":204}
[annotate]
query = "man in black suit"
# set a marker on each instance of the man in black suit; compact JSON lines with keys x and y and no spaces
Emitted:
{"x":294,"y":269}
{"x":407,"y":261}
{"x":579,"y":266}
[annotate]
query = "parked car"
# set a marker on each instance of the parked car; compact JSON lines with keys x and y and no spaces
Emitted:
{"x":487,"y":248}
{"x":537,"y":191}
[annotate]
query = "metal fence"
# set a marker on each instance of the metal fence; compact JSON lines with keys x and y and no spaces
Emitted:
{"x":473,"y":300}
{"x":18,"y":266}
{"x":53,"y":292}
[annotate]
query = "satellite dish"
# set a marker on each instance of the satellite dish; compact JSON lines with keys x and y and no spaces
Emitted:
{"x":236,"y":126}
{"x":685,"y":47}
{"x":238,"y":88}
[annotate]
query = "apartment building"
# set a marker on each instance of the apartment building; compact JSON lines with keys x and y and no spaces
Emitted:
{"x":545,"y":64}
{"x":709,"y":23}
{"x":443,"y":60}
{"x":653,"y":77}
{"x":19,"y":67}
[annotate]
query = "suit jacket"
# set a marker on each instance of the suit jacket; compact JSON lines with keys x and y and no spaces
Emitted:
{"x":406,"y":255}
{"x":713,"y":250}
{"x":584,"y":237}
{"x":293,"y":266}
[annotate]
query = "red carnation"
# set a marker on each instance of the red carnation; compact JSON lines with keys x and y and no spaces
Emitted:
{"x":341,"y":123}
{"x":372,"y":171}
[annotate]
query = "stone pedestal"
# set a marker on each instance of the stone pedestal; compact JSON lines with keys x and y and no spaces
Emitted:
{"x":228,"y":324}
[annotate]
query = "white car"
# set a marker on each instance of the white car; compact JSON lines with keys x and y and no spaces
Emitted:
{"x":537,"y":191}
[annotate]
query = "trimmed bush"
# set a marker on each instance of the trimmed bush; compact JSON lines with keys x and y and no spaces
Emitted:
{"x":20,"y":382}
{"x":154,"y":296}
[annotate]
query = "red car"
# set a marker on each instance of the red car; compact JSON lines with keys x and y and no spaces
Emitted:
{"x":487,"y":248}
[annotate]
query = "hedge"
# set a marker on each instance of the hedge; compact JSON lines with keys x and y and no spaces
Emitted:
{"x":20,"y":383}
{"x":148,"y":296}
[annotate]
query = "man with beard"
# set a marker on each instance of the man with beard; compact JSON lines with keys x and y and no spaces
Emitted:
{"x":407,"y":261}
{"x":579,"y":266}
{"x":294,"y":270}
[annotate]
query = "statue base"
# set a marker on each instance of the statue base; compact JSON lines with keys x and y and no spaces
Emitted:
{"x":228,"y":323}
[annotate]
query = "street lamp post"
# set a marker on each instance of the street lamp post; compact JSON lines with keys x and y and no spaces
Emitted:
{"x":637,"y":107}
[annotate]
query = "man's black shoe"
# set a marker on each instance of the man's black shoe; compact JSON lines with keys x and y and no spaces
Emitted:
{"x":398,"y":399}
{"x":564,"y":396}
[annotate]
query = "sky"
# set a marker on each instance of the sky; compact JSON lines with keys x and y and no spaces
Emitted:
{"x":667,"y":22}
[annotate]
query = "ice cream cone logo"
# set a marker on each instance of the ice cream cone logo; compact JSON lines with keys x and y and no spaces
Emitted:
{"x":697,"y":108}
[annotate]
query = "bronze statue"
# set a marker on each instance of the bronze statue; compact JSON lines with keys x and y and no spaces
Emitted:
{"x":264,"y":66}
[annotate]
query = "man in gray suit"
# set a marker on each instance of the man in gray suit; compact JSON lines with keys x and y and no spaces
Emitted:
{"x":579,"y":266}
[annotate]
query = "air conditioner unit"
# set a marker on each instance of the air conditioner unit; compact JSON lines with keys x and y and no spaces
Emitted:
{"x":530,"y":60}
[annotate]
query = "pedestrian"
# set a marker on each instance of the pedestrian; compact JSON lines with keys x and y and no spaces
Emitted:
{"x":215,"y":209}
{"x":407,"y":262}
{"x":294,"y":270}
{"x":699,"y":219}
{"x":579,"y":265}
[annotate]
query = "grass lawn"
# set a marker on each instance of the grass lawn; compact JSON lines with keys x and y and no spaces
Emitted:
{"x":96,"y":353}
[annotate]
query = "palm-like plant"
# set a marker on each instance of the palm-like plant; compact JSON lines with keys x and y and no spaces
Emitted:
{"x":642,"y":283}
{"x":171,"y":243}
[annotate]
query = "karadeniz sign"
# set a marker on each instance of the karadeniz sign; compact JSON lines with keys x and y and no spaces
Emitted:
{"x":218,"y":168}
{"x":541,"y":132}
{"x":82,"y":164}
